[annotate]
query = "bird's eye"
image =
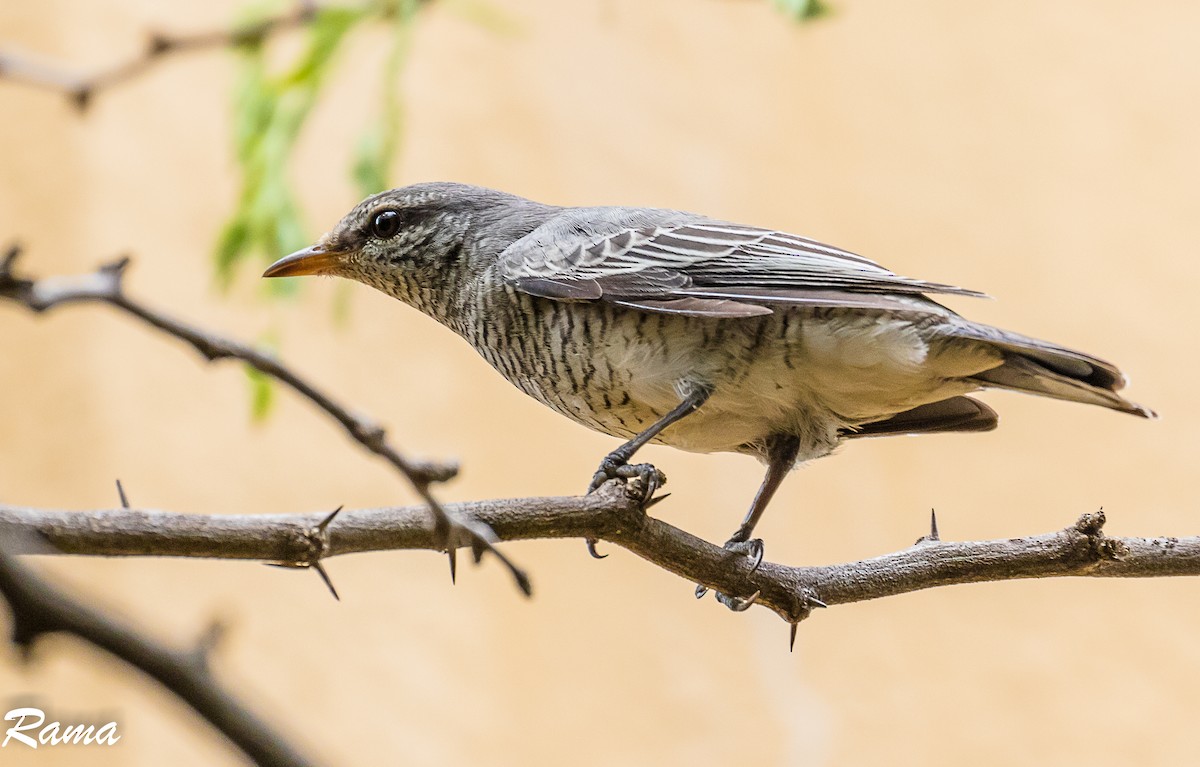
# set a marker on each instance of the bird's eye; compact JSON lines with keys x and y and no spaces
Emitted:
{"x":386,"y":224}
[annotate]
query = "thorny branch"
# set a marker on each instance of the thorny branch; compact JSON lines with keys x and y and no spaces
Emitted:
{"x":612,"y":514}
{"x":105,"y":285}
{"x":40,"y":609}
{"x":82,"y":88}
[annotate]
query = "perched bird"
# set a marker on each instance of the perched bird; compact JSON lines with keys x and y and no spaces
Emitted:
{"x":657,"y":325}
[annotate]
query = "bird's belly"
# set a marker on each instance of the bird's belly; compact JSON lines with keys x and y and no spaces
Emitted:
{"x":806,"y":373}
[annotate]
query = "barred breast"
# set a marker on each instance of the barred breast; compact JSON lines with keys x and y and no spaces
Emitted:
{"x":811,"y":373}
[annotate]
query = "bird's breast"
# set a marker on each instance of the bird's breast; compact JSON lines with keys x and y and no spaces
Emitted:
{"x":809,"y":373}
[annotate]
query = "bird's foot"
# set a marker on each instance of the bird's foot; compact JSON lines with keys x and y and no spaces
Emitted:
{"x":752,"y":549}
{"x":646,"y":481}
{"x":614,"y":467}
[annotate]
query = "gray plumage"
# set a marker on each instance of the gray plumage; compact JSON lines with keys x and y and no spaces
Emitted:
{"x":612,"y":315}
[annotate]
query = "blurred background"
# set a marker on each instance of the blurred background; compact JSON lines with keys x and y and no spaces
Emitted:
{"x":1046,"y":154}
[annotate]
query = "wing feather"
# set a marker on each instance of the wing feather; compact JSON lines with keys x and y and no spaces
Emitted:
{"x":697,"y":307}
{"x":667,"y":261}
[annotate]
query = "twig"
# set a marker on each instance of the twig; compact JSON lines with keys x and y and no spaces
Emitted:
{"x":105,"y":286}
{"x":39,"y":609}
{"x":82,"y":88}
{"x":612,"y":514}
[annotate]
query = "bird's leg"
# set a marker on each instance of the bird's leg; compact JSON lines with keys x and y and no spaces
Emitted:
{"x":781,"y":457}
{"x":616,"y":463}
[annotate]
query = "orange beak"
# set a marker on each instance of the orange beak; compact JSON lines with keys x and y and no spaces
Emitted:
{"x":312,"y":260}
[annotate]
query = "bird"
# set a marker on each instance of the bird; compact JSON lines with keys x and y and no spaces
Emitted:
{"x":658,"y":325}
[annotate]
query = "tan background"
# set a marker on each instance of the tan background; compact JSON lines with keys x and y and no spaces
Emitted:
{"x":1045,"y":153}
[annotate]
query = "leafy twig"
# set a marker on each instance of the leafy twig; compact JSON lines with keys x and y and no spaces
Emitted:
{"x":270,"y":111}
{"x":82,"y":88}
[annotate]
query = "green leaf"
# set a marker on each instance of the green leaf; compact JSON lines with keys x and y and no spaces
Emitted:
{"x":262,"y":394}
{"x":270,"y":111}
{"x":233,"y":239}
{"x":376,"y":150}
{"x":262,"y":386}
{"x":372,"y":159}
{"x":802,"y":10}
{"x":328,"y":27}
{"x":486,"y":15}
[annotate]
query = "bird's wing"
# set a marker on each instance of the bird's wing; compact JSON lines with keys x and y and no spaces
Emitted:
{"x":672,"y":262}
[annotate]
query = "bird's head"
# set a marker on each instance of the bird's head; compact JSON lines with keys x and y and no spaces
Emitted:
{"x":414,"y":243}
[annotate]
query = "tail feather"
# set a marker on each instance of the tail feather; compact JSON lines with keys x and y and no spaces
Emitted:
{"x":1083,"y":368}
{"x":1062,"y":374}
{"x":953,"y":414}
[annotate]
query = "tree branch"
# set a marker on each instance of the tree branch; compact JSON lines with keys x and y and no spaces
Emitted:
{"x":82,"y":88}
{"x":106,"y":286}
{"x":612,"y":514}
{"x":39,"y":609}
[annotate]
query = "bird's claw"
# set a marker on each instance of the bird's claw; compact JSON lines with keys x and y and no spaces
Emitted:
{"x":650,"y":478}
{"x":591,"y":547}
{"x":606,"y":471}
{"x":738,"y":604}
{"x":754,"y":550}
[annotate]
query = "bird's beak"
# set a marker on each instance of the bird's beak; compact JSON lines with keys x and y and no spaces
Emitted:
{"x":314,"y":259}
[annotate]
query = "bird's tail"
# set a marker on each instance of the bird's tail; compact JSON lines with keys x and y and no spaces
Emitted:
{"x":1039,"y":367}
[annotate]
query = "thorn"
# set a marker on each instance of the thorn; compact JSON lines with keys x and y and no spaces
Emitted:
{"x":591,"y":547}
{"x":450,"y":533}
{"x":656,"y":499}
{"x":315,"y":565}
{"x":813,"y":601}
{"x":207,"y":642}
{"x":320,"y":568}
{"x":81,"y":97}
{"x":701,"y":590}
{"x":792,"y":638}
{"x":25,"y":648}
{"x":116,"y":267}
{"x":932,"y":536}
{"x":121,"y":493}
{"x":321,"y":526}
{"x":478,"y":549}
{"x":523,"y":582}
{"x":158,"y":44}
{"x":10,"y":258}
